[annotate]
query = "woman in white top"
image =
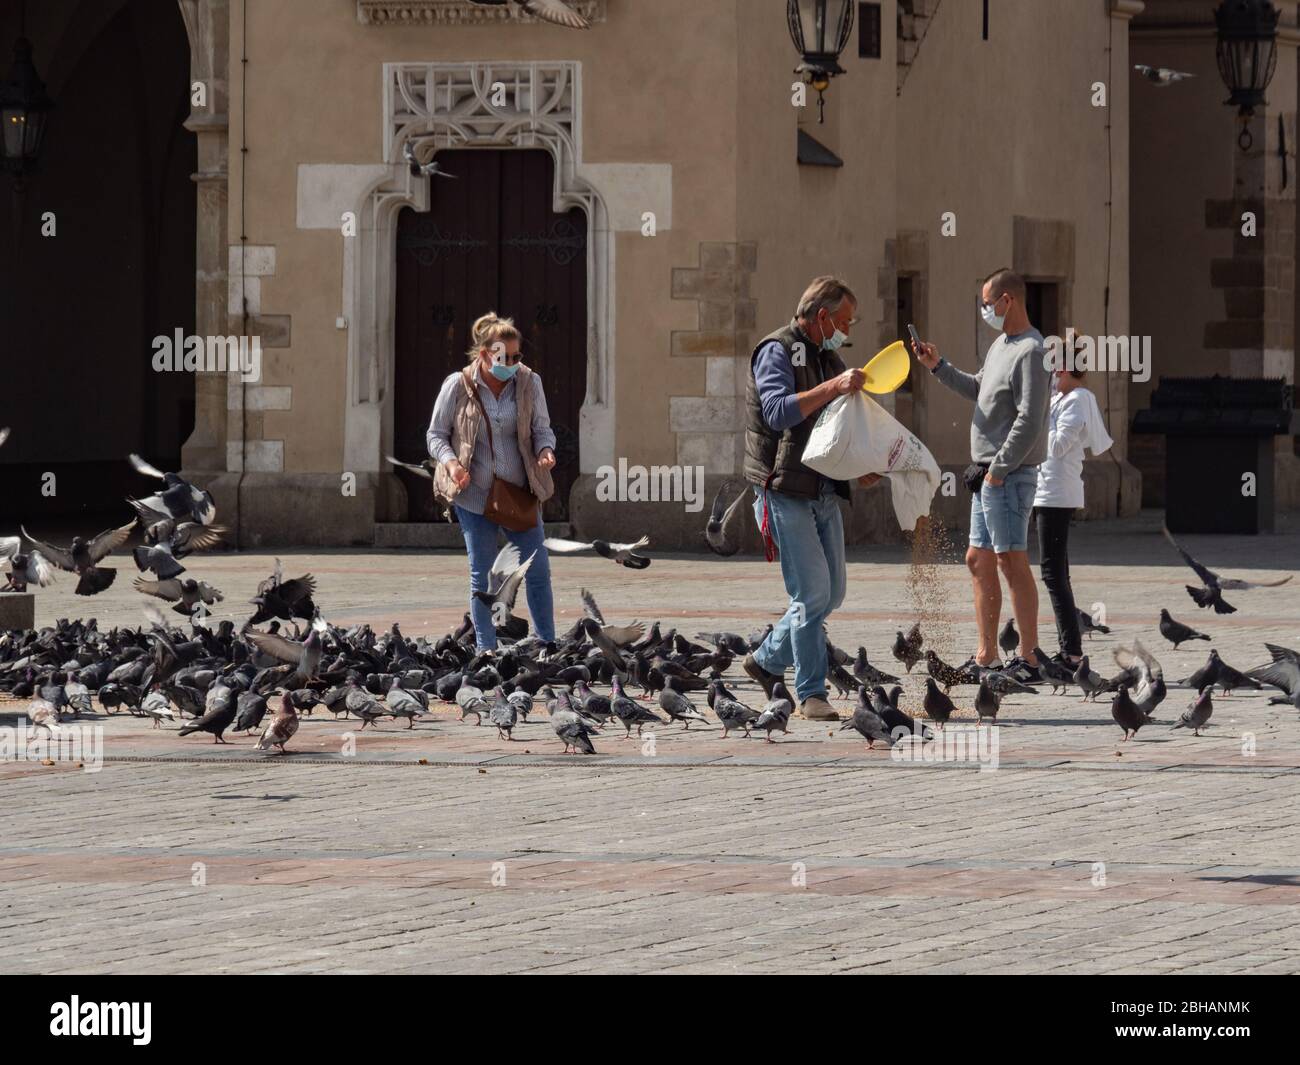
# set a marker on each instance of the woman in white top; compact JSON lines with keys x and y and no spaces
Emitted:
{"x":1075,"y":423}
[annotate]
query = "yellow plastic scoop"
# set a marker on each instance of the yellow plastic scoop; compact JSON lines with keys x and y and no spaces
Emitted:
{"x":887,"y":370}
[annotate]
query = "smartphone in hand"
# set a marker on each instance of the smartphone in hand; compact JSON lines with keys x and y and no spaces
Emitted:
{"x":916,"y":338}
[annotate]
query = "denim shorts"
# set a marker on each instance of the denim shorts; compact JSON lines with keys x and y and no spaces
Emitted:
{"x":999,"y":517}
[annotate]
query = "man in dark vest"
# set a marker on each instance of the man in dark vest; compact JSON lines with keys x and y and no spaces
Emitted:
{"x":794,"y":373}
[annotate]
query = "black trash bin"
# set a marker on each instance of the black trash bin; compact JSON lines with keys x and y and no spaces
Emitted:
{"x":1217,"y":430}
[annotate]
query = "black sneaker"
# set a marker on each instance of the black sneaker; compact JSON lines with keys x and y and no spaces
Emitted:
{"x":759,"y":675}
{"x":1022,"y":671}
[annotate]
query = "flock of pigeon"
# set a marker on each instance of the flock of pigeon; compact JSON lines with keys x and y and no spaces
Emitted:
{"x":222,"y":679}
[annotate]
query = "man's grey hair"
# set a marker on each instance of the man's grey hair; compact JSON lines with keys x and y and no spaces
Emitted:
{"x":827,"y":292}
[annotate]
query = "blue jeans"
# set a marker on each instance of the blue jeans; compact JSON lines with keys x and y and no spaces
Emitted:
{"x":999,"y":517}
{"x":809,"y":534}
{"x":481,"y":544}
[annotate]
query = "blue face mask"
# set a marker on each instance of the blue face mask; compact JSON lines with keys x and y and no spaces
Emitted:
{"x":834,"y":342}
{"x":504,"y":373}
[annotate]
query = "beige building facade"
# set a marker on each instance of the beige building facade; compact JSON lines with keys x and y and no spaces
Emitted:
{"x":648,"y":197}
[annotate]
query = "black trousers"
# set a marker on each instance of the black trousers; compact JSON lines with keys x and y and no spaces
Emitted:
{"x":1054,"y":563}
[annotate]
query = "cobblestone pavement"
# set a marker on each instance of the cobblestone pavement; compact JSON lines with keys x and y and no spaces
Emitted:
{"x":444,"y":849}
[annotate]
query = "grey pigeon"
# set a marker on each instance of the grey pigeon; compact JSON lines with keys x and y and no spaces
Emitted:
{"x":1161,"y":76}
{"x":554,"y":11}
{"x":677,"y":706}
{"x":734,"y":714}
{"x":938,"y":706}
{"x":1008,"y":638}
{"x":570,"y":727}
{"x":1057,"y":674}
{"x":987,"y":702}
{"x":1126,"y":714}
{"x":869,"y":674}
{"x":1176,"y":632}
{"x":886,"y":705}
{"x":1091,"y":683}
{"x":1004,"y":683}
{"x":630,"y":712}
{"x":776,"y":711}
{"x":1197,"y":715}
{"x":470,"y":700}
{"x":867,"y":723}
{"x":407,"y":704}
{"x":502,"y":714}
{"x":250,"y":709}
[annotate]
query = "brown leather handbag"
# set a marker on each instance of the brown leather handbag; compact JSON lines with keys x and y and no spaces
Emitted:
{"x":508,"y":505}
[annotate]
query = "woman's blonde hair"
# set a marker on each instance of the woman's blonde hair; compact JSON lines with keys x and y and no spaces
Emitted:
{"x":490,"y":330}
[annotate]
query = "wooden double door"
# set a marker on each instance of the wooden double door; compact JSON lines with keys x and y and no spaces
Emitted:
{"x":490,"y":242}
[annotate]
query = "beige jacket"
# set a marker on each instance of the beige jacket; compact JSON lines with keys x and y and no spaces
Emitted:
{"x":469,"y":415}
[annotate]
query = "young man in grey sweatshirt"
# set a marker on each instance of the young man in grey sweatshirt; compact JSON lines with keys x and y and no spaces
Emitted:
{"x":1012,"y":394}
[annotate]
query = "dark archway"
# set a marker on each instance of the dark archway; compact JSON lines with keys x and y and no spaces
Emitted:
{"x":82,"y":307}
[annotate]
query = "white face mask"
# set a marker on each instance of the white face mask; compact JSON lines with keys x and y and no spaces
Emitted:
{"x":991,"y":319}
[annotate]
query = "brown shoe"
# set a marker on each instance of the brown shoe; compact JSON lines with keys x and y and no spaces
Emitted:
{"x":818,"y":709}
{"x":759,"y":675}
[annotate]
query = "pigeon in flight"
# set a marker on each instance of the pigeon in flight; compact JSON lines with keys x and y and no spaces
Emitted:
{"x":424,"y":469}
{"x":81,"y":557}
{"x":418,"y":169}
{"x":24,"y":568}
{"x":1148,"y":679}
{"x":1213,"y":586}
{"x":907,"y":649}
{"x":504,"y":579}
{"x":1087,"y":625}
{"x":720,"y":529}
{"x":1176,"y":632}
{"x":286,"y":600}
{"x":1161,"y":76}
{"x":1283,"y":672}
{"x":179,"y":499}
{"x":186,"y":594}
{"x":554,"y":11}
{"x":623,"y":554}
{"x":169,"y":540}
